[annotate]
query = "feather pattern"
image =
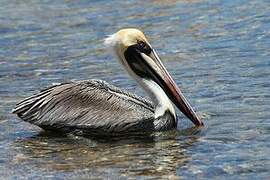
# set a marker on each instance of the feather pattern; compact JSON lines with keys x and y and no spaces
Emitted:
{"x":87,"y":107}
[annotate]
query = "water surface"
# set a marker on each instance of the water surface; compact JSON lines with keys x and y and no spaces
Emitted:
{"x":217,"y":51}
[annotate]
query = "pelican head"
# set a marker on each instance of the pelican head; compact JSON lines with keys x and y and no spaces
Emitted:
{"x":143,"y":64}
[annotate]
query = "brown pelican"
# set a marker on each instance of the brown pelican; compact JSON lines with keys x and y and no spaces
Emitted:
{"x":96,"y":107}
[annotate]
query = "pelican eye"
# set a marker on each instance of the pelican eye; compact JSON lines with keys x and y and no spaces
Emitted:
{"x":144,"y":47}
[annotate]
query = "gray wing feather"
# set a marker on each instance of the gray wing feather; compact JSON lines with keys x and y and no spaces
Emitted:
{"x":91,"y":106}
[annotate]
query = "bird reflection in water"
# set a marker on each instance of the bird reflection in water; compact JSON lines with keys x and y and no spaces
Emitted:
{"x":157,"y":154}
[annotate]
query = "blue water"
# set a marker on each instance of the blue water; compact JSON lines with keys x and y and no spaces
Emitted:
{"x":218,"y":52}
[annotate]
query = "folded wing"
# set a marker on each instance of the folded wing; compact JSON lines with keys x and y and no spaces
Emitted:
{"x":87,"y":107}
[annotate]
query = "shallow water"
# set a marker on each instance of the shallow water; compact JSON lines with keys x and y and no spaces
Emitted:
{"x":217,"y":51}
